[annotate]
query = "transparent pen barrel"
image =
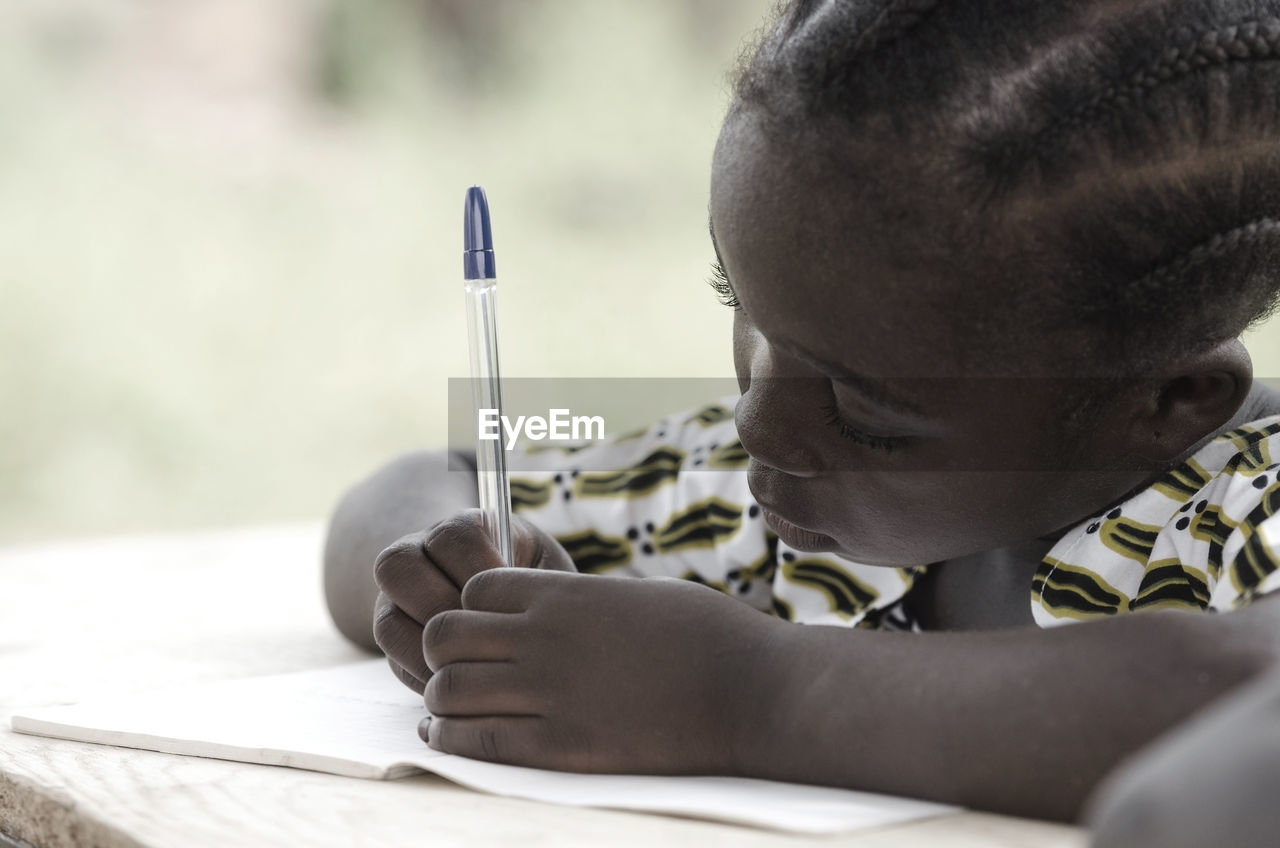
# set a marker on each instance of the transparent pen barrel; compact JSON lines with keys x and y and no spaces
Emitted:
{"x":486,"y":395}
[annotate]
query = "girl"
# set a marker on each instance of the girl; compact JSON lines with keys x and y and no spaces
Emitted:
{"x":989,"y":262}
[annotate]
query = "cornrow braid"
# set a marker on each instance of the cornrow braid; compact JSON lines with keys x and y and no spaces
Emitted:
{"x":1007,"y":162}
{"x":1179,"y":285}
{"x":871,"y":25}
{"x":792,"y":16}
{"x":1216,"y":247}
{"x":895,"y":20}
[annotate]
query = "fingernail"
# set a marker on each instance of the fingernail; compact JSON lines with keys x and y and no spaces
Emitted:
{"x":424,"y":727}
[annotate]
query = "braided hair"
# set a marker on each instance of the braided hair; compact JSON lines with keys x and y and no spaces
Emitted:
{"x":1100,"y":171}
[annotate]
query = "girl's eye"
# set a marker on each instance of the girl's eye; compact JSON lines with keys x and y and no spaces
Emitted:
{"x":858,"y":437}
{"x":719,"y":281}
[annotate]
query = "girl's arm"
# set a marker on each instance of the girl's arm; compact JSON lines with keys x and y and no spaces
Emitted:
{"x":408,"y":494}
{"x":597,"y":674}
{"x":1018,"y":721}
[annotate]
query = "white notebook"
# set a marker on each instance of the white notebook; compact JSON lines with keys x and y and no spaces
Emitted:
{"x":358,"y":720}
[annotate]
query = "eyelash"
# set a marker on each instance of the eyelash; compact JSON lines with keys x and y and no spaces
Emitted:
{"x":719,"y":281}
{"x":881,"y":443}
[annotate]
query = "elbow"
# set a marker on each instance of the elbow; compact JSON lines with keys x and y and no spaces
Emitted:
{"x":371,"y":515}
{"x":349,"y":587}
{"x":402,"y":497}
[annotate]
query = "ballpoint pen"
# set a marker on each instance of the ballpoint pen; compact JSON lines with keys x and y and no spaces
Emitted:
{"x":480,"y":277}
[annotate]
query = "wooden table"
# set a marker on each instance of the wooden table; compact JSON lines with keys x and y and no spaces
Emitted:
{"x":85,"y":618}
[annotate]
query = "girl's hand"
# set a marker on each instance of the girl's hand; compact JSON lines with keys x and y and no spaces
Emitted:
{"x":423,"y":573}
{"x":599,"y":674}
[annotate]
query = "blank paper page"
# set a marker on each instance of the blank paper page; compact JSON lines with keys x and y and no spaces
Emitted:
{"x":358,"y":720}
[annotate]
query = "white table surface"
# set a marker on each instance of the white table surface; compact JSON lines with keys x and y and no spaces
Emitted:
{"x":86,"y":618}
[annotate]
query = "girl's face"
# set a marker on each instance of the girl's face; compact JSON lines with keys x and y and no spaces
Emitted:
{"x":867,"y":439}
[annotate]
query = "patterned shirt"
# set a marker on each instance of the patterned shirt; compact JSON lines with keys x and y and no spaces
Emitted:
{"x":672,"y":500}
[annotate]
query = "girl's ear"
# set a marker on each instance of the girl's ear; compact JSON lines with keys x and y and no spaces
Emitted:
{"x":1196,"y":398}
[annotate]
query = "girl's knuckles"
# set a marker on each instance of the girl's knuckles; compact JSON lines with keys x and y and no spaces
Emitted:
{"x":438,"y":629}
{"x":489,"y":742}
{"x":440,"y":690}
{"x":383,"y":630}
{"x":453,"y":537}
{"x":482,"y":589}
{"x":398,"y":558}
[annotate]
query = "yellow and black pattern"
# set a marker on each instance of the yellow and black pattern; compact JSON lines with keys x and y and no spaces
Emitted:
{"x":1268,"y":504}
{"x":781,"y":609}
{"x":529,"y":493}
{"x":728,"y":456}
{"x":1184,"y":481}
{"x":1075,"y":592}
{"x":761,"y":571}
{"x":847,"y":595}
{"x":1255,"y":448}
{"x":1167,"y":584}
{"x":1214,"y":528}
{"x":1129,"y":538}
{"x":659,"y":468}
{"x":550,"y":447}
{"x":1251,"y":461}
{"x":1258,"y":556}
{"x":765,"y":566}
{"x":700,"y":525}
{"x":594,"y":552}
{"x":1256,"y":562}
{"x":1204,"y":536}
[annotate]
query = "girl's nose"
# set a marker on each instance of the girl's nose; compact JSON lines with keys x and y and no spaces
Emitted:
{"x":777,"y":415}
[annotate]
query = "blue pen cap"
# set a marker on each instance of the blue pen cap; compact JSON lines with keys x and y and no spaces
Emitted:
{"x":477,"y":238}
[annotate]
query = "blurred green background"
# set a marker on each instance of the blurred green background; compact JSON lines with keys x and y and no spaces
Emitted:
{"x":229,"y":258}
{"x":230,"y":252}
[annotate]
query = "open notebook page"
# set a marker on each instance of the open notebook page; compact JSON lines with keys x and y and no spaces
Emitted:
{"x":358,"y":720}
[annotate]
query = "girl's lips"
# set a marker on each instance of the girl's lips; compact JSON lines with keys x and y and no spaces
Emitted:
{"x":798,"y":537}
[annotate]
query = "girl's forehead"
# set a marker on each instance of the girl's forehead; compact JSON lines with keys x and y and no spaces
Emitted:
{"x":809,"y":257}
{"x":872,"y":253}
{"x":752,"y":164}
{"x":819,"y":192}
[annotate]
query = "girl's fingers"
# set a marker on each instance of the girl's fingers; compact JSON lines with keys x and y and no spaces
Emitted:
{"x":478,"y":689}
{"x":400,"y":638}
{"x":502,"y":739}
{"x":470,"y":636}
{"x":412,"y":582}
{"x":511,"y":590}
{"x":461,"y":547}
{"x":405,"y":677}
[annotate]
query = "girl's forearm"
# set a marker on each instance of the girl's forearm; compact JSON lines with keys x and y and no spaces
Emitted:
{"x":1024,"y":722}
